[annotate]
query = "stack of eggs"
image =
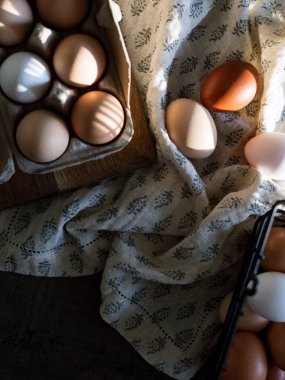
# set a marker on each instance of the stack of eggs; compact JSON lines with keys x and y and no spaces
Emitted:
{"x":229,"y":87}
{"x":257,"y":350}
{"x":53,"y":49}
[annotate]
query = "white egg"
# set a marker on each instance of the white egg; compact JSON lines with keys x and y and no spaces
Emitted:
{"x":269,"y":299}
{"x":25,"y":77}
{"x":266,"y":152}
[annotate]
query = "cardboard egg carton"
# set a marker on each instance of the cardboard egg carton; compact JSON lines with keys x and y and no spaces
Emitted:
{"x":103,"y":24}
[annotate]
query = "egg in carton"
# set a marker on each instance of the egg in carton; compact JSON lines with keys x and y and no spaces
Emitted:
{"x":43,"y":108}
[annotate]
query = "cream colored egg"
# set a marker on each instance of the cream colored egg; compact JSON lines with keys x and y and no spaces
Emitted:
{"x":191,"y":128}
{"x":79,"y":60}
{"x":266,"y":153}
{"x":42,"y":136}
{"x":247,"y":321}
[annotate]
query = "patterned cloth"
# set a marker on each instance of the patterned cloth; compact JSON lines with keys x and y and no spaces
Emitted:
{"x":170,"y":237}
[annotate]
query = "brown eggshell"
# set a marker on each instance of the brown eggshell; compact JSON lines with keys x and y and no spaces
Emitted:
{"x":97,"y":117}
{"x":274,"y":372}
{"x":274,"y":251}
{"x":79,"y":60}
{"x":246,"y":358}
{"x":275,"y":340}
{"x":230,"y":86}
{"x":16,"y":21}
{"x":62,"y":14}
{"x":248,"y":321}
{"x":191,"y":128}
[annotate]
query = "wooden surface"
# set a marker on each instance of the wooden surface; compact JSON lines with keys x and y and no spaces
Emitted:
{"x":139,"y":152}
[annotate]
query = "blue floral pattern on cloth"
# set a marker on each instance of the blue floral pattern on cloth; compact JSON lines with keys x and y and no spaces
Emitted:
{"x":169,"y":238}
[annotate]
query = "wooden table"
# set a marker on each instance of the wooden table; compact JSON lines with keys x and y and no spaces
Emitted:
{"x":139,"y":152}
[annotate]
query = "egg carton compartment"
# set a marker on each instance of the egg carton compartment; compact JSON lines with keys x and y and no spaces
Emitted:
{"x":101,"y":23}
{"x":246,"y":285}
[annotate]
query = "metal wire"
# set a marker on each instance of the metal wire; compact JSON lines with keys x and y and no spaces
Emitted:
{"x":250,"y":268}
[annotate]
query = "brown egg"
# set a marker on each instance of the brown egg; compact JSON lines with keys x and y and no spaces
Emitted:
{"x":246,"y":359}
{"x":274,"y":251}
{"x":230,"y":86}
{"x":62,"y":14}
{"x":275,"y":340}
{"x":16,"y":21}
{"x":97,"y":117}
{"x":42,"y":136}
{"x":248,"y":321}
{"x":274,"y":372}
{"x":79,"y":60}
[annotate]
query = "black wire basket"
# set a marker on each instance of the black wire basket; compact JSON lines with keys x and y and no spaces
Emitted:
{"x":250,"y":268}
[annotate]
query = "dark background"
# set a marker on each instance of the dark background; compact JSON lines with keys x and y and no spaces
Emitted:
{"x":50,"y":328}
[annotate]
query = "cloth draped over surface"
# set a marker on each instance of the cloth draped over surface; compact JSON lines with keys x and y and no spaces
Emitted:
{"x":170,"y":237}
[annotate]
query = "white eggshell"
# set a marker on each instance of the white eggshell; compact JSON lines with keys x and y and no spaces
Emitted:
{"x":191,"y":128}
{"x":24,"y":77}
{"x":269,"y":299}
{"x":266,"y":152}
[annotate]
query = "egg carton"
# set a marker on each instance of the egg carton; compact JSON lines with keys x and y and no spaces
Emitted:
{"x":246,"y":285}
{"x":103,"y":24}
